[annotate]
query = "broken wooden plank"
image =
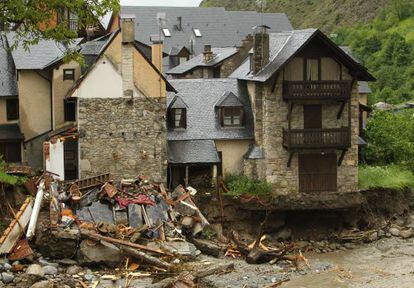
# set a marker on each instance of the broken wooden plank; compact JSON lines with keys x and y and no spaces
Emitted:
{"x":144,"y":257}
{"x":14,"y":232}
{"x":98,"y":237}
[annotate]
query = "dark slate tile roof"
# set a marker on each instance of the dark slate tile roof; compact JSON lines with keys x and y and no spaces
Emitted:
{"x":201,"y":97}
{"x":8,"y":83}
{"x":220,"y":54}
{"x":10,"y":132}
{"x":178,"y":103}
{"x":283,"y":46}
{"x":363,"y":87}
{"x":192,"y":151}
{"x":38,"y":56}
{"x":229,"y":100}
{"x":219,"y":28}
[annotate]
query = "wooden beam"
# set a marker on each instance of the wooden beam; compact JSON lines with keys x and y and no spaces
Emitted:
{"x":290,"y":158}
{"x":341,"y":158}
{"x":341,"y":110}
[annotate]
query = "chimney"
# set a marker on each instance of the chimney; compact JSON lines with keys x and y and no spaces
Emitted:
{"x":179,"y":23}
{"x":128,"y":39}
{"x":208,"y":54}
{"x":157,"y":51}
{"x":261,"y":48}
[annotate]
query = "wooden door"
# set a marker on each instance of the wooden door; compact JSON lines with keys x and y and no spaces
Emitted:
{"x":317,"y":173}
{"x":312,"y":116}
{"x":71,"y":159}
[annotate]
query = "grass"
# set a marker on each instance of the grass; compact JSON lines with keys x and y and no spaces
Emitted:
{"x":389,"y":177}
{"x":241,"y":185}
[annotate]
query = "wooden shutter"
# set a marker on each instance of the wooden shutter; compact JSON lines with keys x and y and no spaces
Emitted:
{"x":317,"y":173}
{"x":312,"y":116}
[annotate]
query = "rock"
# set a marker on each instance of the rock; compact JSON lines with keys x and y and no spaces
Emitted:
{"x":210,"y":248}
{"x":7,"y":277}
{"x":67,"y":262}
{"x":394,"y":231}
{"x":405,"y":234}
{"x":89,"y":277}
{"x":50,"y":270}
{"x":35,"y":270}
{"x":373,"y":237}
{"x":349,"y":245}
{"x":74,"y":269}
{"x":43,"y":284}
{"x":7,"y":267}
{"x":43,"y":262}
{"x":410,"y":222}
{"x":102,"y":252}
{"x":283,"y":234}
{"x":381,"y":233}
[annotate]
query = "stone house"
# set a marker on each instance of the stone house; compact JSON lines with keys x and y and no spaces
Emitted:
{"x":120,"y":105}
{"x":213,"y":62}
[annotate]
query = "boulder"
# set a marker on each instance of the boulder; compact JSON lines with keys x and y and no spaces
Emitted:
{"x":394,"y":231}
{"x":405,"y":234}
{"x":283,"y":234}
{"x":410,"y":222}
{"x":373,"y":237}
{"x":103,"y":252}
{"x":74,"y":269}
{"x":7,"y":277}
{"x":35,"y":270}
{"x":50,"y":270}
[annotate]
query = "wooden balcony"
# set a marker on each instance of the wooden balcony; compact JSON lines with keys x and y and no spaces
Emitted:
{"x":338,"y":138}
{"x":317,"y":90}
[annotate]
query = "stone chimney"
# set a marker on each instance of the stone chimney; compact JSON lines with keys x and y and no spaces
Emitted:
{"x":261,"y":49}
{"x":156,"y":51}
{"x":208,"y":54}
{"x":128,"y":39}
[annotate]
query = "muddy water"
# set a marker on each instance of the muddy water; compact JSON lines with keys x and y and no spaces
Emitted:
{"x":387,"y":263}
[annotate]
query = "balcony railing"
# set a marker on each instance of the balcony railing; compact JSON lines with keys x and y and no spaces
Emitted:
{"x":338,"y":138}
{"x":317,"y":90}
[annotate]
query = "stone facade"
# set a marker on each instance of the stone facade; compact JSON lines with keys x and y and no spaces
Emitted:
{"x":125,"y":137}
{"x":271,"y":111}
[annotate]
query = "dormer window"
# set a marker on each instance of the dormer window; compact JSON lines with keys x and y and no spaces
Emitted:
{"x":177,"y":114}
{"x":179,"y":117}
{"x":231,"y":110}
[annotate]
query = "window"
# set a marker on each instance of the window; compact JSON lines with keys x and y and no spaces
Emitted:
{"x":231,"y":116}
{"x":69,"y":74}
{"x":12,"y":107}
{"x":178,"y":118}
{"x":197,"y":32}
{"x":70,"y":111}
{"x":312,"y":69}
{"x":166,"y":32}
{"x":11,"y":152}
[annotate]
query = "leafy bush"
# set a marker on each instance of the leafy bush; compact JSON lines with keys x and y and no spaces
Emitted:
{"x":390,"y":177}
{"x":391,"y":139}
{"x":242,"y":185}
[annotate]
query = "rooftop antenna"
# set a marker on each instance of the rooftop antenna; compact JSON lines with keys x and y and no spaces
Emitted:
{"x":261,"y":4}
{"x":162,"y":23}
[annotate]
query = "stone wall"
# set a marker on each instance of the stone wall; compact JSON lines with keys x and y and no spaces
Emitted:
{"x":125,"y":137}
{"x":271,"y":117}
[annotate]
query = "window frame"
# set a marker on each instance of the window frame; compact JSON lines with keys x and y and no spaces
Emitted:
{"x":10,"y":116}
{"x":65,"y":76}
{"x":69,"y":116}
{"x":5,"y":151}
{"x":233,"y":115}
{"x":182,"y":121}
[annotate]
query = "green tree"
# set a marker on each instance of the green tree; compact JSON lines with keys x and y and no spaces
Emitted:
{"x":391,"y":138}
{"x":32,"y":17}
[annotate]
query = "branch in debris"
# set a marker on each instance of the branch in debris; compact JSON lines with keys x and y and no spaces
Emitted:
{"x":139,"y":255}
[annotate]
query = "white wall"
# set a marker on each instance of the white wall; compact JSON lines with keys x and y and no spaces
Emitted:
{"x":55,"y":160}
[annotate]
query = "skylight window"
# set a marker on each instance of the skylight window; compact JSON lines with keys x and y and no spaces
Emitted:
{"x":197,"y":32}
{"x":166,"y":32}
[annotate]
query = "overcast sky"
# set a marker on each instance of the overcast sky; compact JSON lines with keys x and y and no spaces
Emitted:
{"x":161,"y":2}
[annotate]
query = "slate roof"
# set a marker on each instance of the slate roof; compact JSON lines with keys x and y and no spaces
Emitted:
{"x":220,"y":54}
{"x":363,"y":87}
{"x":229,"y":100}
{"x":8,"y":82}
{"x":285,"y":45}
{"x":192,"y":151}
{"x":255,"y":152}
{"x":10,"y":132}
{"x":201,"y":97}
{"x":177,"y":103}
{"x":38,"y":56}
{"x":219,"y":28}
